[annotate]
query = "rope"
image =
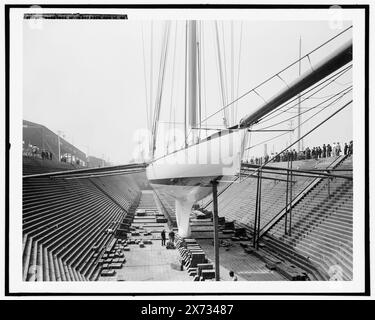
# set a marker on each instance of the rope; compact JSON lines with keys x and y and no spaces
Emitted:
{"x":309,"y":109}
{"x":273,"y":76}
{"x":204,"y":72}
{"x":283,"y":80}
{"x":145,"y":78}
{"x":247,"y":149}
{"x":160,"y":83}
{"x":232,"y":71}
{"x":306,"y":134}
{"x":199,"y":81}
{"x":151,"y":66}
{"x":282,"y":134}
{"x":220,"y":70}
{"x":172,"y":87}
{"x":264,"y":100}
{"x":238,"y":72}
{"x":225,"y":82}
{"x":308,"y":57}
{"x":337,"y":75}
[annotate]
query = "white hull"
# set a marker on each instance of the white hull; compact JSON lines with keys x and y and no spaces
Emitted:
{"x":186,"y":175}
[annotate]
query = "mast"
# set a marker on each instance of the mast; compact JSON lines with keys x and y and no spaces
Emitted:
{"x":185,"y":78}
{"x":192,"y":79}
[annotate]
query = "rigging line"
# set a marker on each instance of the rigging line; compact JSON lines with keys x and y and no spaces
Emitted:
{"x":238,"y":72}
{"x":285,"y":133}
{"x":299,"y":139}
{"x":299,"y":95}
{"x":204,"y":71}
{"x":316,"y":113}
{"x":264,"y":100}
{"x":161,"y":65}
{"x":160,"y":83}
{"x":145,"y":78}
{"x":334,"y":76}
{"x":309,"y":109}
{"x":199,"y":81}
{"x":151,"y":69}
{"x":220,"y":70}
{"x":326,"y":42}
{"x":249,"y":143}
{"x":342,"y":71}
{"x":285,"y":104}
{"x":232,"y":70}
{"x":343,"y":84}
{"x":283,"y":80}
{"x":188,"y":135}
{"x":172,"y":86}
{"x":337,"y":75}
{"x":293,"y":112}
{"x":273,"y":76}
{"x":177,"y":86}
{"x":308,"y":57}
{"x":267,"y":117}
{"x":282,"y":134}
{"x":226,"y":87}
{"x":323,"y":97}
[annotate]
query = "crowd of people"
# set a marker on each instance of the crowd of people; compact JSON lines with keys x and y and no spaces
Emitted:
{"x":327,"y":151}
{"x":46,"y":155}
{"x":318,"y":152}
{"x":36,"y":152}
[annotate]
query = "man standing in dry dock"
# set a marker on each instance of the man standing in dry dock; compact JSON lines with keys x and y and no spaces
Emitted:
{"x":163,"y":238}
{"x":171,"y":236}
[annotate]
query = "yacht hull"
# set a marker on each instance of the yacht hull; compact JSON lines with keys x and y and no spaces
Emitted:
{"x":187,"y":175}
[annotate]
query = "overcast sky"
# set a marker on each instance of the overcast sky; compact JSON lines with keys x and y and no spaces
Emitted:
{"x":86,"y":78}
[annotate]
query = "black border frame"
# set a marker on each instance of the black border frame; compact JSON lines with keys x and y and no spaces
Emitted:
{"x":364,"y":7}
